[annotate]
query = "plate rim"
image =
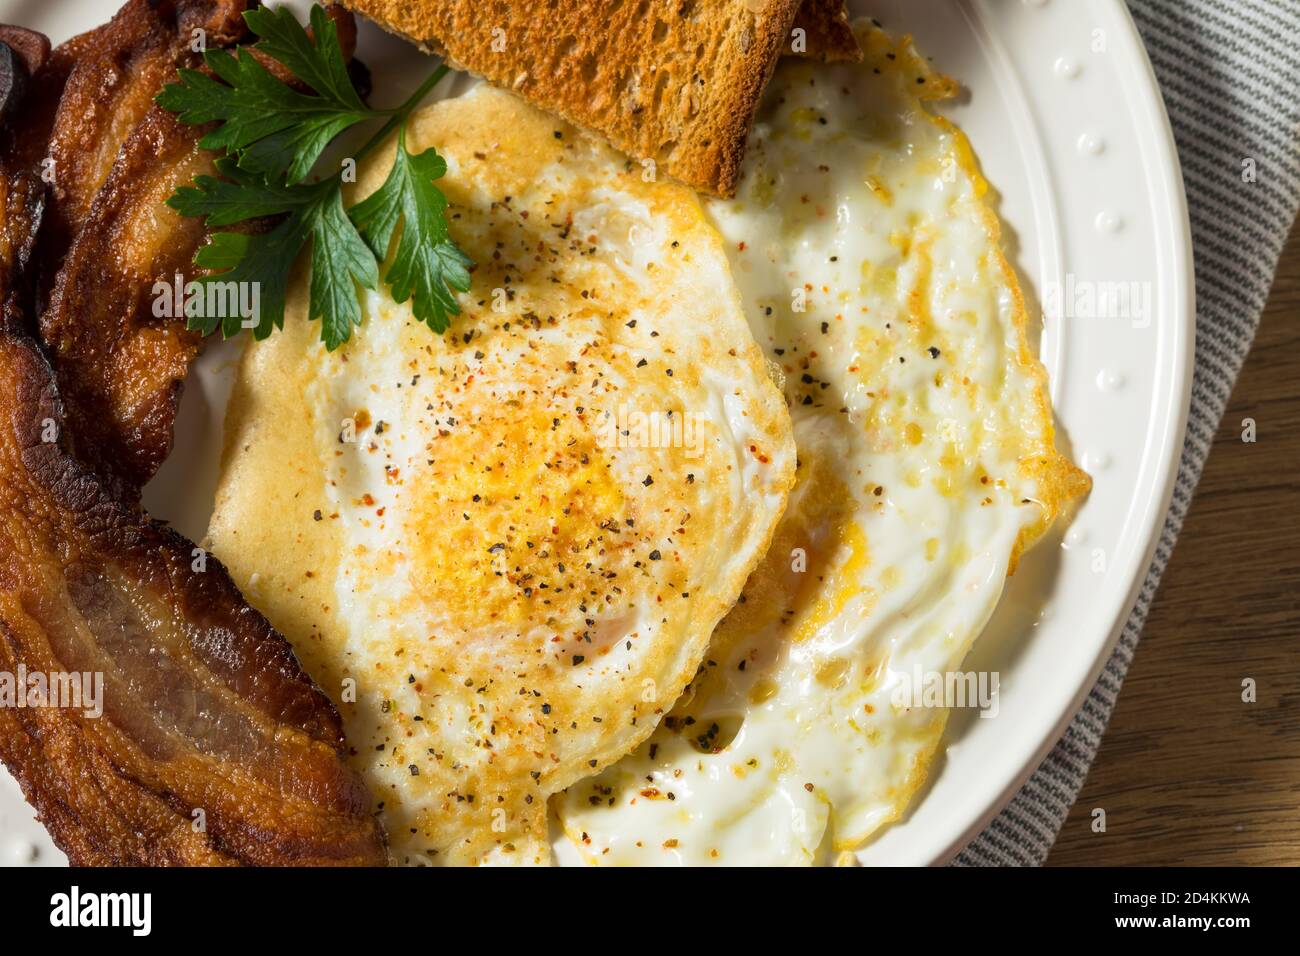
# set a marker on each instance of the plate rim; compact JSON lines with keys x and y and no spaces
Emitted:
{"x":1148,"y":103}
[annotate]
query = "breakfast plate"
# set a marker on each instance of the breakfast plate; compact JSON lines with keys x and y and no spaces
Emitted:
{"x":1062,"y":110}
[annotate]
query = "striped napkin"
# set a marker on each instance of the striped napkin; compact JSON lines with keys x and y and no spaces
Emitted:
{"x":1230,"y":74}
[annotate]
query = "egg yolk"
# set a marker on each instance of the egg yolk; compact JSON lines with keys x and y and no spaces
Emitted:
{"x":517,"y":514}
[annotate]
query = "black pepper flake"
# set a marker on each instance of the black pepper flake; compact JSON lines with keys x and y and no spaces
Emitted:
{"x":655,"y":555}
{"x":648,"y":481}
{"x":317,"y":516}
{"x":934,"y":352}
{"x":642,"y":364}
{"x":578,"y":659}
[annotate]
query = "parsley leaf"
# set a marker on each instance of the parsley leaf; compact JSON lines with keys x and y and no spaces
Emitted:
{"x":320,"y":65}
{"x":237,"y":197}
{"x":253,"y":261}
{"x":287,"y":129}
{"x":315,"y":214}
{"x":338,"y":258}
{"x":427,"y":263}
{"x":274,"y":135}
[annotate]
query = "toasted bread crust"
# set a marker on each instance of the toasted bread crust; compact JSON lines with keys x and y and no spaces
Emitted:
{"x":827,"y":30}
{"x":677,"y":83}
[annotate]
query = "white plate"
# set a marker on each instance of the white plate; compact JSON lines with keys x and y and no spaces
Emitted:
{"x":1067,"y":121}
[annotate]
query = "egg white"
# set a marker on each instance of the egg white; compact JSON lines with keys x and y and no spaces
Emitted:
{"x":869,"y":262}
{"x":475,"y":540}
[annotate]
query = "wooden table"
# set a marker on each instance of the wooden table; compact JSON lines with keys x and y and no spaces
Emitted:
{"x":1188,"y":773}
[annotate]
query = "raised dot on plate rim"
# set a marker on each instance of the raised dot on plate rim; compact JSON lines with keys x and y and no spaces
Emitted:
{"x":1066,"y":67}
{"x":21,"y":851}
{"x":1109,"y":380}
{"x":1091,"y":144}
{"x":1108,"y":221}
{"x":1095,"y":461}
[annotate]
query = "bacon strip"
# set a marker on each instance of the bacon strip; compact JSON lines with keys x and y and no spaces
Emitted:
{"x":214,"y":746}
{"x":120,"y":366}
{"x":123,"y":65}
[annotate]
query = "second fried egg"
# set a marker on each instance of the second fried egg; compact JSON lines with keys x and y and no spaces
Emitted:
{"x":870,"y":265}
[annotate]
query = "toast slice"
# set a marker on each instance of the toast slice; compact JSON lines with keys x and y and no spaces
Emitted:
{"x":675,"y":83}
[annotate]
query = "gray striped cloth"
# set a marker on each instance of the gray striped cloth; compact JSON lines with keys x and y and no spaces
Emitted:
{"x":1230,"y":74}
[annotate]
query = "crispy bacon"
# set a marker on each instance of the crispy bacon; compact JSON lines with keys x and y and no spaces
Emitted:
{"x":24,"y":129}
{"x":122,"y":66}
{"x":214,"y":746}
{"x":120,"y":366}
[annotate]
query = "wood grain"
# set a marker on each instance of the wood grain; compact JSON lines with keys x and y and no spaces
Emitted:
{"x":1188,"y":773}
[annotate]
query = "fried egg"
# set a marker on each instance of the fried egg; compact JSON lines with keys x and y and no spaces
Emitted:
{"x":868,"y":257}
{"x":504,"y":550}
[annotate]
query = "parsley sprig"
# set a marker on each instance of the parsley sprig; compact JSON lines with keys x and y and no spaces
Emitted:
{"x":273,"y":136}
